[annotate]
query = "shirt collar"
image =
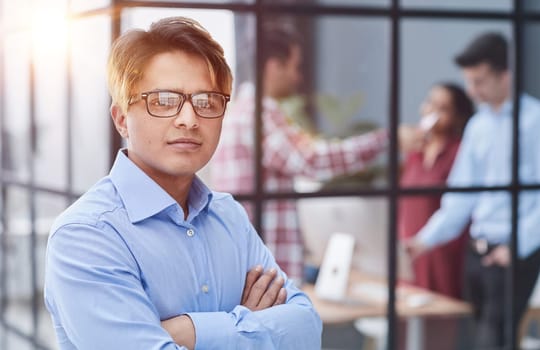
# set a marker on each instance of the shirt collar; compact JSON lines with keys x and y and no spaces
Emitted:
{"x":143,"y":197}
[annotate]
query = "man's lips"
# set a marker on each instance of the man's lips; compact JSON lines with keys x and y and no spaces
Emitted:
{"x":185,"y":143}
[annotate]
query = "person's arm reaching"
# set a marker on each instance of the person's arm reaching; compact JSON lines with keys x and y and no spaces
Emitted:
{"x":291,"y":151}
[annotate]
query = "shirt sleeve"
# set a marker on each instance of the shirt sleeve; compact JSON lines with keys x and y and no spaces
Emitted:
{"x":294,"y":325}
{"x":93,"y":291}
{"x":456,"y":208}
{"x":528,"y":237}
{"x":291,"y":151}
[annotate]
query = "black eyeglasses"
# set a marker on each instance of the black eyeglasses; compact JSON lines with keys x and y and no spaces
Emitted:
{"x":167,"y":104}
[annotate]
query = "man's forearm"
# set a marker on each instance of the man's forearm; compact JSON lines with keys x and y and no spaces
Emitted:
{"x":181,"y":330}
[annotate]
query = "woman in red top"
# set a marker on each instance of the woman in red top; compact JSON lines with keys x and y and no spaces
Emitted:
{"x":444,"y":115}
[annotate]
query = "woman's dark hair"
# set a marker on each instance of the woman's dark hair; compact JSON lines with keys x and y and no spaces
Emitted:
{"x":463,"y":105}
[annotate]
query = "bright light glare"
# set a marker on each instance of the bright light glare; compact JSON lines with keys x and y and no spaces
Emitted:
{"x":49,"y":30}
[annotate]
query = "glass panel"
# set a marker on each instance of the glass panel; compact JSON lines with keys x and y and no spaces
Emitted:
{"x":530,"y":58}
{"x":90,"y":113}
{"x":15,"y":341}
{"x":18,"y":279}
{"x":461,"y":5}
{"x":15,"y":14}
{"x":423,"y":51}
{"x":364,"y":218}
{"x":232,"y":168}
{"x":323,"y":221}
{"x":50,"y":79}
{"x":45,"y":336}
{"x":438,"y":271}
{"x":531,"y":5}
{"x":313,"y":139}
{"x":17,"y":104}
{"x":233,"y":164}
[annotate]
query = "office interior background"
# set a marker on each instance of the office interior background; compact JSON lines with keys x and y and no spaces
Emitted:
{"x":367,"y":64}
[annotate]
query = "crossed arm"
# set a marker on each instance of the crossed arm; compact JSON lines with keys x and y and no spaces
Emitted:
{"x":97,"y":300}
{"x":262,"y":290}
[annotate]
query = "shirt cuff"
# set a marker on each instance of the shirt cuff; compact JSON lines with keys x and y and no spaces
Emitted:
{"x":213,"y":330}
{"x":427,"y":237}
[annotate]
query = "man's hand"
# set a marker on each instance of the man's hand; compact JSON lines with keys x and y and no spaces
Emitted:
{"x":500,"y":255}
{"x":414,"y":247}
{"x":263,"y":289}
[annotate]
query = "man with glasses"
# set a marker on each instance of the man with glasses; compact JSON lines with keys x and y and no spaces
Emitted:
{"x":150,"y":258}
{"x":485,"y":159}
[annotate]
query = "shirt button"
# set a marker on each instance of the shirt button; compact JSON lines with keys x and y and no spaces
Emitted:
{"x":205,"y":288}
{"x":190,"y":232}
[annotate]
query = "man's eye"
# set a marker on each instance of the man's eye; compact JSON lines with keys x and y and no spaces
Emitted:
{"x":163,"y":102}
{"x":202,"y":103}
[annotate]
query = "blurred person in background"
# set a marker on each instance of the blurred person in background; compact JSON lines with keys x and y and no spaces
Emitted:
{"x":485,"y":159}
{"x":444,"y":115}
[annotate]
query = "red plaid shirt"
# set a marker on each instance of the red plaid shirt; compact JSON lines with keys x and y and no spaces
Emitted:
{"x":288,"y":151}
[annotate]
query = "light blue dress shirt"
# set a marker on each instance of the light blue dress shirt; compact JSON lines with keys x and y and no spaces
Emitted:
{"x":485,"y":159}
{"x":122,"y":258}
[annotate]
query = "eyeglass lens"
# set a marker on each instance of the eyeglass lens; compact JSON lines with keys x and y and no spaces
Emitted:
{"x":169,"y":103}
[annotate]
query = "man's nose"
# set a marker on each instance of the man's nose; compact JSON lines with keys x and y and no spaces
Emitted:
{"x":186,"y":117}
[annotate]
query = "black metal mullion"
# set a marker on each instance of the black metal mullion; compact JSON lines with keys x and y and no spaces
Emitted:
{"x":512,"y":322}
{"x":259,"y":194}
{"x":393,"y":172}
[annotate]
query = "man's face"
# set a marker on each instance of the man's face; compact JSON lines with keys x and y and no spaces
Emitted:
{"x":485,"y":84}
{"x":170,"y":148}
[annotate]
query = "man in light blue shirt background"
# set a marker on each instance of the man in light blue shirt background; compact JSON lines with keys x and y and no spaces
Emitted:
{"x":485,"y":159}
{"x":149,"y":257}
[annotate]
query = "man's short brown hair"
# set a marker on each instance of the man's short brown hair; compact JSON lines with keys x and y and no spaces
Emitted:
{"x":132,"y":51}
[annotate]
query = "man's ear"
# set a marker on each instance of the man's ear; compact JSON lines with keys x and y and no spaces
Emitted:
{"x":120,"y":120}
